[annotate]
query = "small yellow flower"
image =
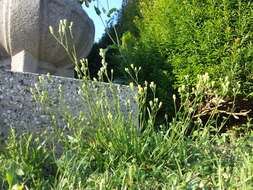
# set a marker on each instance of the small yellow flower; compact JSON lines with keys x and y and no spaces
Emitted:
{"x":131,"y":85}
{"x":174,"y":97}
{"x":152,"y":85}
{"x":109,"y":116}
{"x":140,"y":89}
{"x":51,"y":30}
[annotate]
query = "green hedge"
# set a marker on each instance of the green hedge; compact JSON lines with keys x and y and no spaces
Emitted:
{"x":190,"y":37}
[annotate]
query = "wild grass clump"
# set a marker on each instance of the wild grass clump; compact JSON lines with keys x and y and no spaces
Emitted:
{"x":110,"y":152}
{"x":104,"y":149}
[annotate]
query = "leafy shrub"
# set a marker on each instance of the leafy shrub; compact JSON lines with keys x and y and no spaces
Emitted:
{"x":179,"y":38}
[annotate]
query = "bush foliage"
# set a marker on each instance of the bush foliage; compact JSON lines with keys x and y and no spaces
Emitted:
{"x":178,"y":38}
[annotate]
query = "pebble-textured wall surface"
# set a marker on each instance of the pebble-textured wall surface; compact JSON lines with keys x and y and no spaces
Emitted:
{"x":19,"y":110}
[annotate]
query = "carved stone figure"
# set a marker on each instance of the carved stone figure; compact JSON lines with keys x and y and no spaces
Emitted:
{"x":26,"y":40}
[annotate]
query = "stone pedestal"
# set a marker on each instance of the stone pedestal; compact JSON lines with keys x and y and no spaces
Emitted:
{"x":25,"y":36}
{"x":24,"y":61}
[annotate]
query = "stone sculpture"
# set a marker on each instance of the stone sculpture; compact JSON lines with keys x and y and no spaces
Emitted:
{"x":26,"y":44}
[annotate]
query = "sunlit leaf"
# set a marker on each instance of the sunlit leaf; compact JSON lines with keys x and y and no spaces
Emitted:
{"x":18,"y":187}
{"x":20,"y":172}
{"x":9,"y":178}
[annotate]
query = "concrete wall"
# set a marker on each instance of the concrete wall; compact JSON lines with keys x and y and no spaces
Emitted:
{"x":19,"y":110}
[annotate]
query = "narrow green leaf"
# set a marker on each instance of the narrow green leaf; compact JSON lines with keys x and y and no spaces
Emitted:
{"x":98,"y":12}
{"x":111,"y":11}
{"x":9,"y":178}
